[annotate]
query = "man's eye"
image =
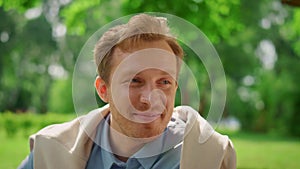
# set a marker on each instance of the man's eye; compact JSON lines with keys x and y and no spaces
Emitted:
{"x":165,"y":82}
{"x":135,"y":80}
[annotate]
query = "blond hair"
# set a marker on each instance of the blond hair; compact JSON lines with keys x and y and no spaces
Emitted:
{"x":140,"y":28}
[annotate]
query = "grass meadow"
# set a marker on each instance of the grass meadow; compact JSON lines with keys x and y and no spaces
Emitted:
{"x":254,"y":151}
{"x":259,"y":151}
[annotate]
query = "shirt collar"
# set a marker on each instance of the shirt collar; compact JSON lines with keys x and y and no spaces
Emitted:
{"x":103,"y":142}
{"x":147,"y":155}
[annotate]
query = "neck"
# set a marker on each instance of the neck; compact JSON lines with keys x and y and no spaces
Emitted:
{"x":123,"y":143}
{"x":123,"y":146}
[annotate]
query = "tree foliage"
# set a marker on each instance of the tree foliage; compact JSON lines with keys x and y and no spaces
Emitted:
{"x":257,"y":41}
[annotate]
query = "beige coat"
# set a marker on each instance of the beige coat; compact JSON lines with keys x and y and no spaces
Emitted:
{"x":68,"y":145}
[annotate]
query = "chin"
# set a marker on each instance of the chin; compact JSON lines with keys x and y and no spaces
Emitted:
{"x":152,"y":129}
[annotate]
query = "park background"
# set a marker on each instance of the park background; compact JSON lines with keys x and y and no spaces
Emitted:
{"x":258,"y":43}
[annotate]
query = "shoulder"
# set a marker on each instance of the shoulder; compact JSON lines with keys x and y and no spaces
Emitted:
{"x":81,"y":125}
{"x":56,"y":131}
{"x":197,"y":125}
{"x":80,"y":122}
{"x":203,"y":143}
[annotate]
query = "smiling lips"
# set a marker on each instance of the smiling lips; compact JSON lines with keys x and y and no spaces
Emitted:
{"x":145,"y":117}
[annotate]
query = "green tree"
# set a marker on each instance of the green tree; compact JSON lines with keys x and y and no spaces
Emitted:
{"x":258,"y":43}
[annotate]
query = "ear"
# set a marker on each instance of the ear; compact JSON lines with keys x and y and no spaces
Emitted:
{"x":101,"y":88}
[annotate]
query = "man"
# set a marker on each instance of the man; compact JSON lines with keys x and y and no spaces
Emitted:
{"x":138,"y":66}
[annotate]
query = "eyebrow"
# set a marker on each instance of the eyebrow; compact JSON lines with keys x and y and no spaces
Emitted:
{"x":167,"y":71}
{"x":160,"y":72}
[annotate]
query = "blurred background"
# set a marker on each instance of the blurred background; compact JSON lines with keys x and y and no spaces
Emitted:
{"x":257,"y":41}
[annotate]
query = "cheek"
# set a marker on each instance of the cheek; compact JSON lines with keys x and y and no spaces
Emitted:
{"x":170,"y":102}
{"x":120,"y":98}
{"x":170,"y":95}
{"x":134,"y":95}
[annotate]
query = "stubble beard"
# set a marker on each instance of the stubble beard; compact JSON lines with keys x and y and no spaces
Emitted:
{"x":134,"y":129}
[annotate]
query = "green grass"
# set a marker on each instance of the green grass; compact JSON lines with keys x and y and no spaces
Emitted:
{"x":14,"y":133}
{"x":258,"y":151}
{"x":12,"y":150}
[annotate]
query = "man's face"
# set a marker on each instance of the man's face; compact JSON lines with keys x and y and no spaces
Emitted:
{"x":142,"y":89}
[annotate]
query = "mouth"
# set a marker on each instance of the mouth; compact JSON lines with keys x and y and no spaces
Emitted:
{"x":146,"y":117}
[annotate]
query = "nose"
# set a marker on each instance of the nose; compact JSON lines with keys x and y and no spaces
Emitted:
{"x":145,"y":96}
{"x":151,"y":97}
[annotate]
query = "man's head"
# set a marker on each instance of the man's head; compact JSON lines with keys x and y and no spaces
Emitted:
{"x":138,"y":64}
{"x":127,"y":37}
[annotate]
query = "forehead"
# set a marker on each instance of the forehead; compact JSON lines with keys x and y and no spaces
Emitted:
{"x":150,"y":55}
{"x":124,"y":50}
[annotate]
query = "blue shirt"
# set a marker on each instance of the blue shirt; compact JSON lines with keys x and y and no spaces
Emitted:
{"x":163,"y":152}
